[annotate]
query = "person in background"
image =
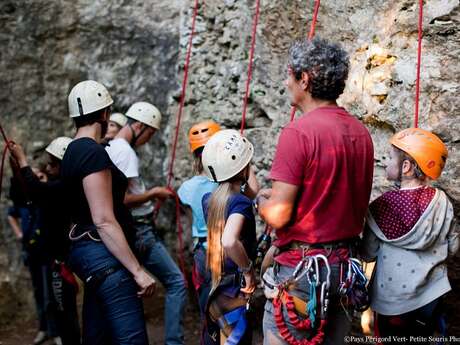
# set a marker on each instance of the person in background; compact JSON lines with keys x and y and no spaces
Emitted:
{"x":143,"y":122}
{"x":116,"y":122}
{"x":50,"y":198}
{"x":411,"y":233}
{"x":190,"y":194}
{"x":26,"y":219}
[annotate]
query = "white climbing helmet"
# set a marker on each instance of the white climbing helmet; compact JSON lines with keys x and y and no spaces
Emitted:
{"x":146,"y":113}
{"x":226,"y":154}
{"x":58,"y":146}
{"x":87,"y":97}
{"x":119,"y":119}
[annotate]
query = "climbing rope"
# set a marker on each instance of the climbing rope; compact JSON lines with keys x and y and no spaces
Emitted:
{"x":183,"y":93}
{"x":309,"y":266}
{"x":419,"y":60}
{"x":174,"y":146}
{"x":311,"y":34}
{"x":5,"y":150}
{"x":255,"y":21}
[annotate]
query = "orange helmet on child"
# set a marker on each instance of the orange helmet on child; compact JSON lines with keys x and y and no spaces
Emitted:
{"x":200,"y":133}
{"x":424,"y":147}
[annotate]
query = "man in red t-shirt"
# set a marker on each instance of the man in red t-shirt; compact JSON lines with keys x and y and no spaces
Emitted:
{"x":322,"y":179}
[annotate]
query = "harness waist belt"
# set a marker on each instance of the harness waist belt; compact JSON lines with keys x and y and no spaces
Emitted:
{"x":328,"y":245}
{"x":146,"y":219}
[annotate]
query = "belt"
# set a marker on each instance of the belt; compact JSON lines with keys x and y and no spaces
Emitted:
{"x":327,"y":245}
{"x":146,"y":219}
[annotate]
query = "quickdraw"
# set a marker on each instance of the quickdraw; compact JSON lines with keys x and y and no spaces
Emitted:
{"x":353,"y":289}
{"x":309,"y":266}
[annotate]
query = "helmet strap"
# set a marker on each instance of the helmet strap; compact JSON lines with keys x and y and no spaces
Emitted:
{"x":134,"y":136}
{"x":244,"y":182}
{"x":243,"y":187}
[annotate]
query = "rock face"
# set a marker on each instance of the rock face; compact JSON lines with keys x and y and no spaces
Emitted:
{"x":137,"y":49}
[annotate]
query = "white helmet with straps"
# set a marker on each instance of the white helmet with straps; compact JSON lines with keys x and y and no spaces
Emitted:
{"x":87,"y":97}
{"x":58,"y":146}
{"x":119,"y":119}
{"x":146,"y":113}
{"x":226,"y":154}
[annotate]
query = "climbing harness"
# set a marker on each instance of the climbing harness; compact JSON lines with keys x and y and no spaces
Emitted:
{"x":227,"y":310}
{"x":84,"y":235}
{"x":317,"y":305}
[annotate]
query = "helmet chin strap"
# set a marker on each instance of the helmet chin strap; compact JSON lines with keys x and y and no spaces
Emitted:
{"x":244,"y":182}
{"x":135,"y":137}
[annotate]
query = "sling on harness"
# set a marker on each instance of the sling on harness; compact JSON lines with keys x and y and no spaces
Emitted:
{"x":309,"y":266}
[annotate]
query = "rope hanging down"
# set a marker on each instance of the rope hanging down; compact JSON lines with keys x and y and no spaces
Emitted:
{"x":251,"y":61}
{"x":183,"y":93}
{"x":311,"y":34}
{"x":174,"y":146}
{"x":5,"y":150}
{"x":419,"y":60}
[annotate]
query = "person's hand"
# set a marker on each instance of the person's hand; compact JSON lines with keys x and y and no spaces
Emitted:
{"x":145,"y":282}
{"x":250,"y":282}
{"x":17,"y":152}
{"x":264,"y":193}
{"x":19,"y":237}
{"x":160,"y":193}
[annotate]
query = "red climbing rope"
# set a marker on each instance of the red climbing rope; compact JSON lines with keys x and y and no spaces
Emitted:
{"x":174,"y":145}
{"x":301,"y":324}
{"x":419,"y":60}
{"x":311,"y":34}
{"x":5,"y":150}
{"x":180,"y":233}
{"x":251,"y":61}
{"x":314,"y":20}
{"x":182,"y":98}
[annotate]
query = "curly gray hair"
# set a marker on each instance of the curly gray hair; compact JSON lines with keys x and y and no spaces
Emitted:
{"x":325,"y":63}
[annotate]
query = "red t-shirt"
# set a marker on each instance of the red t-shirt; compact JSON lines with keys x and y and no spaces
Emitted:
{"x":329,"y":154}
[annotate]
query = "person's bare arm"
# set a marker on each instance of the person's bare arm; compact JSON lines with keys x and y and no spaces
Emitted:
{"x":14,"y":223}
{"x":134,"y":200}
{"x":253,"y":185}
{"x":276,"y":205}
{"x":234,"y":249}
{"x":98,"y":192}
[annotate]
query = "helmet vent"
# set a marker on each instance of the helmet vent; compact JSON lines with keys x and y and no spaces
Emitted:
{"x":196,"y":133}
{"x":204,"y":130}
{"x":244,"y":140}
{"x":233,"y":157}
{"x":99,"y":94}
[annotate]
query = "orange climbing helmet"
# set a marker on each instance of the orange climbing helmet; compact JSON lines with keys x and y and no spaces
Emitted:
{"x":200,"y":133}
{"x":424,"y":147}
